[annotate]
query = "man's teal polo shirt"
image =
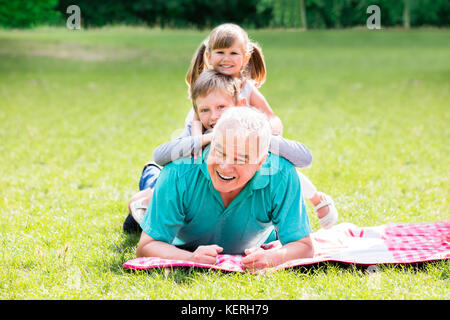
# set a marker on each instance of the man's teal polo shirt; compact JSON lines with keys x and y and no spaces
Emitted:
{"x":187,"y":211}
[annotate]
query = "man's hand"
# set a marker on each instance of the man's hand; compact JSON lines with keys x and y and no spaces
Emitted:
{"x":206,"y":254}
{"x":256,"y":258}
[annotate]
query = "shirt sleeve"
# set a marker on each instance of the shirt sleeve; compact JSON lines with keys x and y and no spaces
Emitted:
{"x":289,"y":214}
{"x":181,"y":147}
{"x":165,"y":213}
{"x":295,"y":152}
{"x":189,"y":117}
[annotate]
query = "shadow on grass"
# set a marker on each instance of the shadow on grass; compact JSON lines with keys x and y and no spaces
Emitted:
{"x":127,"y":250}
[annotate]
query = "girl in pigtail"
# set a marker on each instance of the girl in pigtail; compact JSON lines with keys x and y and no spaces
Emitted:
{"x":229,"y":51}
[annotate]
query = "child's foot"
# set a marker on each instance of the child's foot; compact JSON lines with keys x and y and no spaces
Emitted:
{"x":138,"y":209}
{"x":325,"y":209}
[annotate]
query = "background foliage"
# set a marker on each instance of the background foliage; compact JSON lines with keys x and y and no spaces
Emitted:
{"x":206,"y":13}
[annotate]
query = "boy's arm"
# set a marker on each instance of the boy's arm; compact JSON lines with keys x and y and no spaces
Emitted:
{"x":293,"y":151}
{"x":183,"y":146}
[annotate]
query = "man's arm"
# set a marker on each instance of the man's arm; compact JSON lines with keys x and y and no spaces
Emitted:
{"x":149,"y":247}
{"x":290,"y":219}
{"x":258,"y":258}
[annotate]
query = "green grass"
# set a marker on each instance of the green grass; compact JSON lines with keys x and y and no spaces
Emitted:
{"x":82,"y":111}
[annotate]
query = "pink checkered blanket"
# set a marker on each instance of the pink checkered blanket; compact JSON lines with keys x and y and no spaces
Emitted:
{"x":346,"y":243}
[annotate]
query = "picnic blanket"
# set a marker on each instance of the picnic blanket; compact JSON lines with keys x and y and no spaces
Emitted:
{"x":346,"y":243}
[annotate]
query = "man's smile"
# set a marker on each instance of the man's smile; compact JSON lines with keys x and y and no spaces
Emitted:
{"x":224,"y":177}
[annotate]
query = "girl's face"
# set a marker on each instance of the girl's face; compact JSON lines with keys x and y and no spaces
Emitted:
{"x":229,"y":61}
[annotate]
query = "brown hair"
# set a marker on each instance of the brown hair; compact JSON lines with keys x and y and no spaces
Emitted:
{"x":210,"y":80}
{"x":224,"y":36}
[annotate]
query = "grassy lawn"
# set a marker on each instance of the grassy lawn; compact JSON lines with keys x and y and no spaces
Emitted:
{"x":82,"y":111}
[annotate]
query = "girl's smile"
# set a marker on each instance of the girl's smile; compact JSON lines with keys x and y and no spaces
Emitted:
{"x":228,"y":60}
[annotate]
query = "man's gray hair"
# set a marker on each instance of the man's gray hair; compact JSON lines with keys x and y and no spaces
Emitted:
{"x":246,"y":122}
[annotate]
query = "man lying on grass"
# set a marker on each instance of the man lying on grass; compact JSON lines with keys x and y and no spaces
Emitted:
{"x":237,"y":199}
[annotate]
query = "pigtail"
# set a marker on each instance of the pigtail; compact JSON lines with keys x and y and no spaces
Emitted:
{"x":256,"y":66}
{"x":197,"y":65}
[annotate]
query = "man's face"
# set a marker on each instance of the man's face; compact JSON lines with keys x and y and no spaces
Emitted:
{"x":211,"y":107}
{"x":232,"y":162}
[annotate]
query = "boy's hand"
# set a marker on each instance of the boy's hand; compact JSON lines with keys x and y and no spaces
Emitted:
{"x":206,"y":254}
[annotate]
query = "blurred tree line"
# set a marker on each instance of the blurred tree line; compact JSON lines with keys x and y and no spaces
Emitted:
{"x":315,"y":14}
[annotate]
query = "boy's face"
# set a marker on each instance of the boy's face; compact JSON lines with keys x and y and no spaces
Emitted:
{"x":211,"y":107}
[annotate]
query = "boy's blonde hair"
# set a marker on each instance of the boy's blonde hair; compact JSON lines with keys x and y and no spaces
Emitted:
{"x":224,"y":36}
{"x":210,"y":80}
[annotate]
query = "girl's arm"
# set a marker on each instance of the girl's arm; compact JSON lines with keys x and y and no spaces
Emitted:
{"x":293,"y":151}
{"x":258,"y":101}
{"x":181,"y":147}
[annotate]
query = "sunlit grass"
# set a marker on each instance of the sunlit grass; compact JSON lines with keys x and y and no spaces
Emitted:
{"x":81,"y":112}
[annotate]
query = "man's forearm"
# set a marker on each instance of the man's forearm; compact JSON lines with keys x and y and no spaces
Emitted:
{"x":302,"y":248}
{"x":258,"y":258}
{"x":148,"y":247}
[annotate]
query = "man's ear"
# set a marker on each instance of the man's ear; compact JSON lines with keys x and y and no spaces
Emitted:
{"x":261,"y":161}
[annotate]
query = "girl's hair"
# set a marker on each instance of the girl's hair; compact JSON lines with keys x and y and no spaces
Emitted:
{"x":224,"y":36}
{"x":210,"y":80}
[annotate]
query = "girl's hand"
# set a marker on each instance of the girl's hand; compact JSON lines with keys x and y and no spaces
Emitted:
{"x":276,"y":125}
{"x":196,"y":130}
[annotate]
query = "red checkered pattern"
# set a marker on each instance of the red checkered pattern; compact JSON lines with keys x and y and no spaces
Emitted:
{"x":418,"y":242}
{"x":400,"y":243}
{"x":225,"y":262}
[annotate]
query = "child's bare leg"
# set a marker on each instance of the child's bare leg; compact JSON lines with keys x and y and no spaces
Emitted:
{"x":315,"y":200}
{"x":323,"y":204}
{"x":144,"y":195}
{"x":137,"y":206}
{"x":139,"y":203}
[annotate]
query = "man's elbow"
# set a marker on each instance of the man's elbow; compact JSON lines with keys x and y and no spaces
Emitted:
{"x":142,"y":247}
{"x":307,"y":250}
{"x":139,"y":251}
